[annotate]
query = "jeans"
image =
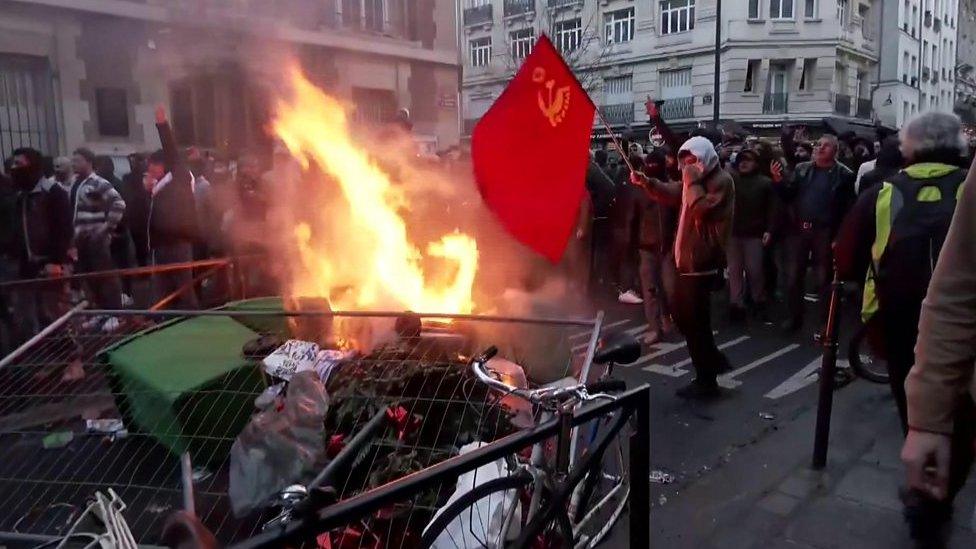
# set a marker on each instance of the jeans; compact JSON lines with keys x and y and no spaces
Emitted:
{"x":94,"y":254}
{"x":745,"y":256}
{"x":692,"y":313}
{"x":34,"y":306}
{"x":657,"y":283}
{"x":801,"y":248}
{"x":166,"y":283}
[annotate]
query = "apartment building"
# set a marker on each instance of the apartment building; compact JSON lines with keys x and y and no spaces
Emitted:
{"x":781,"y":60}
{"x":965,"y":69}
{"x":89,"y":73}
{"x":919,"y":61}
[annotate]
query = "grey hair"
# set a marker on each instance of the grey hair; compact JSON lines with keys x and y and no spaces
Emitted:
{"x":931,"y":131}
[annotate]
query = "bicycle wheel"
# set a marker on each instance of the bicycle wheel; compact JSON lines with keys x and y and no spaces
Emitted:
{"x":863,"y":361}
{"x":463,"y":524}
{"x":603,"y":493}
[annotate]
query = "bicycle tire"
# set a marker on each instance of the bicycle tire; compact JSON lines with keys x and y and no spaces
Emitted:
{"x":458,"y":506}
{"x":866,"y":365}
{"x":595,"y":487}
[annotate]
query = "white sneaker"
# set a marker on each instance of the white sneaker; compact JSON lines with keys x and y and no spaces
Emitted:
{"x":630,"y":298}
{"x":126,"y":301}
{"x":111,"y":325}
{"x":92,"y":323}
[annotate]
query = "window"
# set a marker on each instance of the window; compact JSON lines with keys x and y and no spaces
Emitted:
{"x":373,"y":105}
{"x":522,"y":42}
{"x":905,"y":16}
{"x":113,"y":112}
{"x":842,"y":12}
{"x":914,"y":20}
{"x":677,"y":16}
{"x":569,"y":34}
{"x":914,"y":67}
{"x":781,"y":9}
{"x":753,"y":9}
{"x":810,"y":9}
{"x":618,"y":87}
{"x":675,"y":83}
{"x":779,"y":77}
{"x":905,"y":113}
{"x":374,"y":17}
{"x":808,"y":75}
{"x":481,"y":52}
{"x":27,"y":106}
{"x":904,"y":68}
{"x":750,"y":75}
{"x":619,"y":26}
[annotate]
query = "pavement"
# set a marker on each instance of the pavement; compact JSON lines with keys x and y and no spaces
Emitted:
{"x":741,"y":464}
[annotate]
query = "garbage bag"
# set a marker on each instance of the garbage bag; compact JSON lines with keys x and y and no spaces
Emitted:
{"x":279,"y":448}
{"x":481,"y":527}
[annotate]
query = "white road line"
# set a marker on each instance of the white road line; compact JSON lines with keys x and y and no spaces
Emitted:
{"x":636,"y":332}
{"x":605,"y":327}
{"x":663,"y":349}
{"x":797,"y":381}
{"x":678,"y":370}
{"x":728,"y":380}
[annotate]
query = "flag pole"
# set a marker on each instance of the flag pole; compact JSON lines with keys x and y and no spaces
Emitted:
{"x":616,"y":143}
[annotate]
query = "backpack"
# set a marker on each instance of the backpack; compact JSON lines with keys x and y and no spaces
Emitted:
{"x":912,"y":217}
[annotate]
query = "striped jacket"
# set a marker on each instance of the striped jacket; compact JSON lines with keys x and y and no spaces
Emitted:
{"x":94,"y":202}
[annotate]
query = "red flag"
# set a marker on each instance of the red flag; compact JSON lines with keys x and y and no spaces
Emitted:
{"x":531,"y":152}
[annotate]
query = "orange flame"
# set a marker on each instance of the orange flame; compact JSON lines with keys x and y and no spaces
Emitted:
{"x":374,"y":260}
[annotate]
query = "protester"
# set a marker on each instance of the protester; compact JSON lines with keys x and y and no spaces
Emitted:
{"x":887,"y":164}
{"x":245,"y":225}
{"x":63,"y":173}
{"x":602,"y":246}
{"x":121,"y":246}
{"x":137,"y":207}
{"x":941,"y":385}
{"x":818,"y":195}
{"x":172,"y":216}
{"x":97,"y":210}
{"x":208,"y":219}
{"x":752,"y":223}
{"x":626,"y":219}
{"x":657,"y":221}
{"x":705,"y":196}
{"x":42,"y":232}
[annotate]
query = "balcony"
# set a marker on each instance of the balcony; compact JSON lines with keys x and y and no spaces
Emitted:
{"x":477,"y":15}
{"x":842,"y":104}
{"x":518,"y":7}
{"x":864,"y":109}
{"x":563,"y":3}
{"x":678,"y":107}
{"x":619,"y":114}
{"x":775,"y":103}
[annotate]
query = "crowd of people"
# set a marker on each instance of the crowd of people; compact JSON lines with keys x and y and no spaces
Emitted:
{"x":893,"y":216}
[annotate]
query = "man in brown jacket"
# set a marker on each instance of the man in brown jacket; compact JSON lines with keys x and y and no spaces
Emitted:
{"x":706,"y":197}
{"x":941,"y":384}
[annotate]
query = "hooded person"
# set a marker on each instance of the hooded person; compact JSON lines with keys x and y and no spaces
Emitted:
{"x":705,"y":196}
{"x":887,"y":164}
{"x":752,"y":224}
{"x":655,"y":249}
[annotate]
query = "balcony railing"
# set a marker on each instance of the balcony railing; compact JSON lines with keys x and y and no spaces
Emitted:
{"x":679,"y":107}
{"x":518,"y":7}
{"x":864,"y":109}
{"x":621,"y":113}
{"x":478,"y":14}
{"x":842,"y":104}
{"x":561,"y":3}
{"x":775,"y":103}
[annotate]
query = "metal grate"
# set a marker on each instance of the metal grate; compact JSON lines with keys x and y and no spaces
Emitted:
{"x":46,"y":474}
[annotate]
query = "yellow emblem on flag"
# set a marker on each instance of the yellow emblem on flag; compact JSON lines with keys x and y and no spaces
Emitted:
{"x":555,"y":105}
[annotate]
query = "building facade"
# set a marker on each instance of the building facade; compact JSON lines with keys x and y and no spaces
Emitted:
{"x":965,"y":69}
{"x":795,"y":61}
{"x":919,"y":59}
{"x":89,"y":73}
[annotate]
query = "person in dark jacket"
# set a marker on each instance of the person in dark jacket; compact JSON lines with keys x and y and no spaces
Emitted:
{"x":817,"y":196}
{"x":887,"y":164}
{"x":705,"y":196}
{"x":137,"y":207}
{"x":172,"y":215}
{"x":42,"y":236}
{"x":932,"y":145}
{"x":752,"y":224}
{"x":626,"y":218}
{"x":602,"y":193}
{"x":655,"y":244}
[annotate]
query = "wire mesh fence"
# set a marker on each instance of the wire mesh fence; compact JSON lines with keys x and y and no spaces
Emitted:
{"x":83,"y":410}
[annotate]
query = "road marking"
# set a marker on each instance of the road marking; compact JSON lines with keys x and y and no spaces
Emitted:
{"x":663,"y":348}
{"x":636,"y":332}
{"x":605,"y":327}
{"x":728,"y":381}
{"x":797,"y":381}
{"x":678,"y":370}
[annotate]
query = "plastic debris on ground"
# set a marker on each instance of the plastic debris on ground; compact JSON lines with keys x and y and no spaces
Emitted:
{"x":767,"y":416}
{"x":296,"y":356}
{"x":661,"y":477}
{"x":57,"y":440}
{"x":113,"y":428}
{"x":490,"y":510}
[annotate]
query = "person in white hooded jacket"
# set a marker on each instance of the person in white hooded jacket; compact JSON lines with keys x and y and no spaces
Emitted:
{"x":705,"y":195}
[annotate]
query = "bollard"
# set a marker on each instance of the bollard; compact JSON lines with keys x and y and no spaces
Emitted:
{"x":828,"y":367}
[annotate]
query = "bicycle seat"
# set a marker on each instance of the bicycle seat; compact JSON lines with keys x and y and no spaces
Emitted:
{"x":618,"y":348}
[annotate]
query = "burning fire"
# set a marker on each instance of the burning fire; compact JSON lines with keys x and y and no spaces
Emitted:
{"x":365,"y":259}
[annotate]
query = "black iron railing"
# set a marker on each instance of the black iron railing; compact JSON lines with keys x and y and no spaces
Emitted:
{"x":518,"y":7}
{"x":620,"y":113}
{"x":679,"y":107}
{"x":478,"y":14}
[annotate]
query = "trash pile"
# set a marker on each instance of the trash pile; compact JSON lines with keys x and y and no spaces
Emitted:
{"x":322,"y":396}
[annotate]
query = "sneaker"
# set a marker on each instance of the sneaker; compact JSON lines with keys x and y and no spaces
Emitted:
{"x":629,"y":297}
{"x":126,"y":301}
{"x":92,"y":323}
{"x":652,"y":338}
{"x":699,"y":391}
{"x":111,"y":325}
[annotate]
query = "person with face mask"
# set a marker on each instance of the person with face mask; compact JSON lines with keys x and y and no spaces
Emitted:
{"x":705,"y":196}
{"x":172,"y":215}
{"x":655,"y":245}
{"x":42,"y":232}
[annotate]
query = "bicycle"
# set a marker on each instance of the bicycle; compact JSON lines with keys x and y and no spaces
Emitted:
{"x":546,"y":502}
{"x":863,"y":360}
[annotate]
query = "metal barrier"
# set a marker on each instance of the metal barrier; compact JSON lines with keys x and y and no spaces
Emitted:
{"x":180,"y":383}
